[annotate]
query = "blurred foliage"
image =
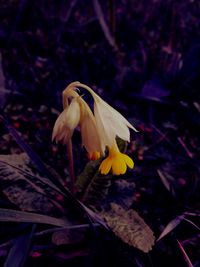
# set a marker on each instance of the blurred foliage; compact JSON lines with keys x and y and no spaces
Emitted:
{"x":46,"y":45}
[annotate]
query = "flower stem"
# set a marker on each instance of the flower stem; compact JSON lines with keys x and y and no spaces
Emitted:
{"x":71,"y":165}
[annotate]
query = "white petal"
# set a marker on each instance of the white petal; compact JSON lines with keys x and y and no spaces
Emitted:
{"x":110,"y":121}
{"x":89,"y":132}
{"x":67,"y":122}
{"x":73,"y":114}
{"x":102,"y":125}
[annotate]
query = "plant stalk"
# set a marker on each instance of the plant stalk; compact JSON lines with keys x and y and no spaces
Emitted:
{"x":71,"y":165}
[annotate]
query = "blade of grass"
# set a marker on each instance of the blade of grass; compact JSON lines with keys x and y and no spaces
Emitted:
{"x":197,"y":214}
{"x":187,"y":259}
{"x":72,"y":227}
{"x":8,"y":215}
{"x":189,"y":221}
{"x":167,"y":181}
{"x":103,"y":24}
{"x":19,"y":252}
{"x":171,"y":226}
{"x":50,"y":231}
{"x":94,"y":216}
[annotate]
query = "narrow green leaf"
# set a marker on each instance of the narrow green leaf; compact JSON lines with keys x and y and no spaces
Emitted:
{"x":19,"y":252}
{"x":171,"y":226}
{"x":168,"y":181}
{"x":187,"y":259}
{"x":8,"y":215}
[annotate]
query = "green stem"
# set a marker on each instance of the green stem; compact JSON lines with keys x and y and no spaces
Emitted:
{"x":71,"y":165}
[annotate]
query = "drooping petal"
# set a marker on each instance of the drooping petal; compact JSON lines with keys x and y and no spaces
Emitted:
{"x":89,"y":133}
{"x":67,"y":122}
{"x":68,"y":92}
{"x":73,"y":114}
{"x":60,"y":129}
{"x":102,"y":125}
{"x":110,"y":122}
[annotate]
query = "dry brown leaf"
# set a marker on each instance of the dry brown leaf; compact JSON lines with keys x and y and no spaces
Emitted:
{"x":130,"y":227}
{"x":68,"y":236}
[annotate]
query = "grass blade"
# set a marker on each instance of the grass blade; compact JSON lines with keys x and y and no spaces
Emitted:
{"x":103,"y":24}
{"x":189,"y":221}
{"x":167,"y":181}
{"x":187,"y":259}
{"x":19,"y":252}
{"x":8,"y":215}
{"x":171,"y":226}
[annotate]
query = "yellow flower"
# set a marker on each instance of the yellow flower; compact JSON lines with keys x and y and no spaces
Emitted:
{"x":116,"y":161}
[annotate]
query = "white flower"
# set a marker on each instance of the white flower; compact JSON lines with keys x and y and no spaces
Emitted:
{"x":110,"y":122}
{"x":89,"y":132}
{"x":67,"y":122}
{"x":98,"y":131}
{"x":77,"y":113}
